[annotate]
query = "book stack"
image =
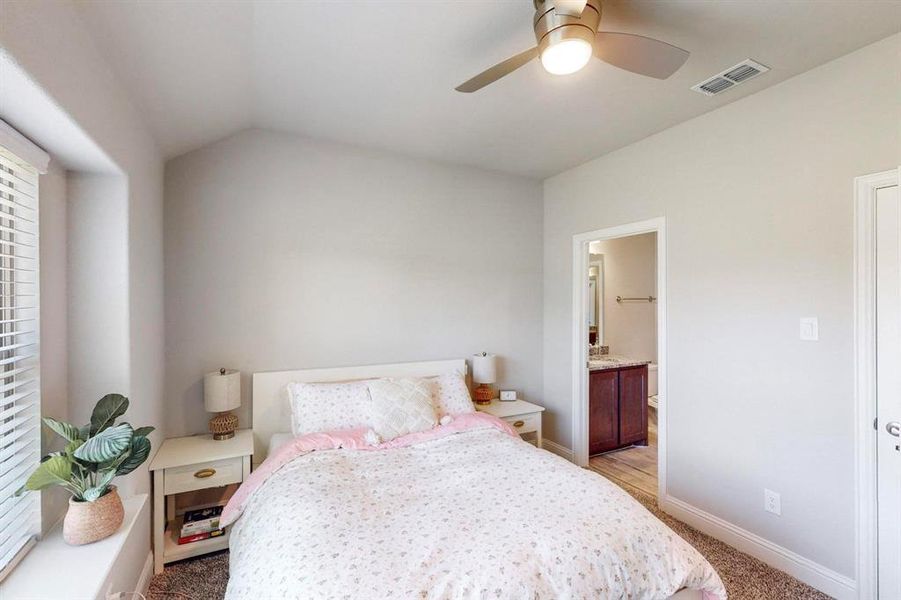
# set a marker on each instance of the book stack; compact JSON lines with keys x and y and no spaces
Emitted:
{"x":200,"y":524}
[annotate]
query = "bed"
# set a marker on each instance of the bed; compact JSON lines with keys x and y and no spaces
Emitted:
{"x":465,"y":511}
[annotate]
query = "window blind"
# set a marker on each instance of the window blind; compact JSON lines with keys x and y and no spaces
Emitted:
{"x":20,"y":395}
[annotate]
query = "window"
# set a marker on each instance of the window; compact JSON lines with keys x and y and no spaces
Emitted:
{"x":20,"y":393}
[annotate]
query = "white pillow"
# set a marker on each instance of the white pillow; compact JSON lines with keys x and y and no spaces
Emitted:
{"x":328,"y":406}
{"x":402,"y":406}
{"x":453,"y":396}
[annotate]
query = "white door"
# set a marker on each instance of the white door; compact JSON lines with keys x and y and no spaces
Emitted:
{"x":888,"y":389}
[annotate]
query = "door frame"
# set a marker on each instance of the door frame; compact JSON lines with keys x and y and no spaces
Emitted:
{"x":580,"y":335}
{"x":865,"y":189}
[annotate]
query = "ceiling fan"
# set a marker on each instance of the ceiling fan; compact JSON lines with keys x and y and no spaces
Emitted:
{"x":567,"y":35}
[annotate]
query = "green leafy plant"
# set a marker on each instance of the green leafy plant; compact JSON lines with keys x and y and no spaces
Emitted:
{"x":94,"y":454}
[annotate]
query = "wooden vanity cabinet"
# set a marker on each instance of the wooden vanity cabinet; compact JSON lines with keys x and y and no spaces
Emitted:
{"x":603,"y":411}
{"x":633,"y":405}
{"x":617,"y":408}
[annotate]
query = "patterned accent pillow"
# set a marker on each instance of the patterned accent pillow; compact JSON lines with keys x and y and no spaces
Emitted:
{"x":453,"y":396}
{"x":329,"y":406}
{"x":402,"y":406}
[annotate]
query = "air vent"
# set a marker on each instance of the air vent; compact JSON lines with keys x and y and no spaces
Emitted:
{"x":740,"y":73}
{"x":715,"y":85}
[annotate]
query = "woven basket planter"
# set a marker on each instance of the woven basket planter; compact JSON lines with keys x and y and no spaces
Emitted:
{"x":88,"y":522}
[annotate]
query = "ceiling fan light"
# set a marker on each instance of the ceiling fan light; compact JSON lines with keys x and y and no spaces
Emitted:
{"x":566,"y":56}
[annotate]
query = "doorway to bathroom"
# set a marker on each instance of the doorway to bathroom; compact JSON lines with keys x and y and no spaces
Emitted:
{"x":619,"y":359}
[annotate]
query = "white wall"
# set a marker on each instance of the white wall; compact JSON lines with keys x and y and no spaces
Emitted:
{"x":630,"y":269}
{"x":286,"y":253}
{"x":54,"y":322}
{"x":98,"y":291}
{"x":758,"y":204}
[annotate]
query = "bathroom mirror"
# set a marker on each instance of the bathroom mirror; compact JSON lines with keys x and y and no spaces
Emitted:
{"x":596,"y":299}
{"x":592,"y":306}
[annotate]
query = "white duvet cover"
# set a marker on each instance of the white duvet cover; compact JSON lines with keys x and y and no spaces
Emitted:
{"x":477,"y":514}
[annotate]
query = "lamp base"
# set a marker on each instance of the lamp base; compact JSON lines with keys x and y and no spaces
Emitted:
{"x":483,"y":394}
{"x":223,"y":426}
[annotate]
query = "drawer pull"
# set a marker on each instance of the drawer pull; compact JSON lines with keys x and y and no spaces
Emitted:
{"x":519,"y":423}
{"x":204,"y":473}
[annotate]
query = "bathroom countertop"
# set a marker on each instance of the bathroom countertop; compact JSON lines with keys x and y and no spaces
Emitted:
{"x":613,"y":361}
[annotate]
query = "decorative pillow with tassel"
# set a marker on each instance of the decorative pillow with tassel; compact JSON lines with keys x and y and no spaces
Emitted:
{"x":402,"y":406}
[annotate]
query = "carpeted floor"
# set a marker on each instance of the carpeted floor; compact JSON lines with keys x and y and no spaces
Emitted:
{"x":745,"y":577}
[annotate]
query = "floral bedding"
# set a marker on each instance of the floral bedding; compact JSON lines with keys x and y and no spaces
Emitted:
{"x":467,"y":510}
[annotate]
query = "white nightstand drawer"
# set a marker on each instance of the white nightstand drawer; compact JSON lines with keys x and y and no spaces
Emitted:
{"x":525,"y":423}
{"x":204,"y":475}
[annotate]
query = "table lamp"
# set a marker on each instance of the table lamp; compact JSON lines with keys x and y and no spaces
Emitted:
{"x":222,"y":393}
{"x":484,"y":372}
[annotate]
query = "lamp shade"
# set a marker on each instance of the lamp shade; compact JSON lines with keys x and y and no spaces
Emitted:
{"x":484,"y":368}
{"x":222,"y":390}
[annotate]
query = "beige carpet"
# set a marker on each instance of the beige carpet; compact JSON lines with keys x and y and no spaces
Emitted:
{"x":746,"y":578}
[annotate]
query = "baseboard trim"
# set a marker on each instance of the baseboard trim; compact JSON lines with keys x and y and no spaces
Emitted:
{"x":813,"y":574}
{"x":557,"y":449}
{"x":146,"y":574}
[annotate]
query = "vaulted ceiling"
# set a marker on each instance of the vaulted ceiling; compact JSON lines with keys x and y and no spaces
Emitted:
{"x":381,"y":73}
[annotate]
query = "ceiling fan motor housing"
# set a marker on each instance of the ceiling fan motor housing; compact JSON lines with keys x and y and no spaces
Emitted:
{"x":553,"y":25}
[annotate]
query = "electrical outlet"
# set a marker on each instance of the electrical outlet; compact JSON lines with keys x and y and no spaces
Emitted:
{"x":772,"y":502}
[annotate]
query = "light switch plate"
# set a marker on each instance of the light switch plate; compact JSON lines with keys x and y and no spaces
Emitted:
{"x":810,"y":329}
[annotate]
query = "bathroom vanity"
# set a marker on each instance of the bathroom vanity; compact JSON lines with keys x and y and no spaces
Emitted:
{"x":617,"y":403}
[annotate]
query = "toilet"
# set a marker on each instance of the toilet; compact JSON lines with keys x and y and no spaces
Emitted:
{"x":652,"y":384}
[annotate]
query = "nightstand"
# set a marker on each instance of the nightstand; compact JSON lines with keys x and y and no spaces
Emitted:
{"x":523,"y":416}
{"x":189,"y":464}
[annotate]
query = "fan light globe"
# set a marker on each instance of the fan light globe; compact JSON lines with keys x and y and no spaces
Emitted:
{"x":566,"y":56}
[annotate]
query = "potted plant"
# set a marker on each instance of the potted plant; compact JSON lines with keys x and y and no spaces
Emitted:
{"x":93,"y":456}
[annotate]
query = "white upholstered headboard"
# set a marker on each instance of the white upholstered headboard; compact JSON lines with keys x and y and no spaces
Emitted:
{"x":272,"y":414}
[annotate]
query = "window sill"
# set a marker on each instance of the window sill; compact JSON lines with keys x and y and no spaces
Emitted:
{"x":42,"y":573}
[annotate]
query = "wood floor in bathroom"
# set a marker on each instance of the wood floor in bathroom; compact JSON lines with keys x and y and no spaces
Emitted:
{"x":635,"y":466}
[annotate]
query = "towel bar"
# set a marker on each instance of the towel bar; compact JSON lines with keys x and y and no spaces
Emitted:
{"x":621,"y":299}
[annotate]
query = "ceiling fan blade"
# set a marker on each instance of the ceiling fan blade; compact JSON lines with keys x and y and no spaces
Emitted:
{"x":639,"y":54}
{"x":497,"y":71}
{"x":571,"y":8}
